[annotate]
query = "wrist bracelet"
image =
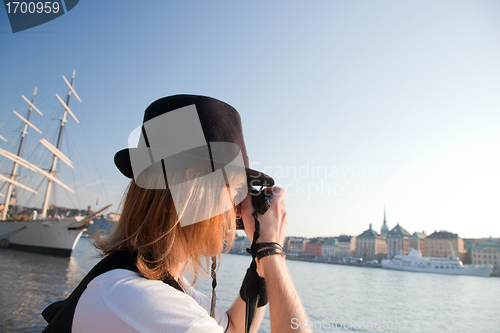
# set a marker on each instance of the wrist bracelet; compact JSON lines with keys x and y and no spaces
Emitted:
{"x":273,"y":245}
{"x":269,"y":252}
{"x":261,"y":246}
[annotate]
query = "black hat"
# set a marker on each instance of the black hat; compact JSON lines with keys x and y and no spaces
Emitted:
{"x":182,"y":137}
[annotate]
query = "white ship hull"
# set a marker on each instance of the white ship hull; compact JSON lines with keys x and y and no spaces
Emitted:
{"x":51,"y":236}
{"x":415,"y":262}
{"x":473,"y":270}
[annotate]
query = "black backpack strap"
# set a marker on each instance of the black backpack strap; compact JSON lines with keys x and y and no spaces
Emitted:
{"x":60,"y":314}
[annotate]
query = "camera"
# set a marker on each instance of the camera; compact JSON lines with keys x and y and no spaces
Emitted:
{"x":261,"y":201}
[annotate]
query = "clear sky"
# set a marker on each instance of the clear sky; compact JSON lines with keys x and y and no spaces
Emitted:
{"x":350,"y":105}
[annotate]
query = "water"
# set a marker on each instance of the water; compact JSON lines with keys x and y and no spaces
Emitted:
{"x":337,"y":298}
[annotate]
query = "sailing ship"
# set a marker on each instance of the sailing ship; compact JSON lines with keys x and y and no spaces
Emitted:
{"x":452,"y":265}
{"x":57,"y":235}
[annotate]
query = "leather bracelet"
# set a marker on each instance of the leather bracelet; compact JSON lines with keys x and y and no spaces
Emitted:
{"x":261,"y":246}
{"x":269,"y":252}
{"x":273,"y":245}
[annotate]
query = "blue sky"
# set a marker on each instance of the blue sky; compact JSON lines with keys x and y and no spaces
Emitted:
{"x":351,"y":105}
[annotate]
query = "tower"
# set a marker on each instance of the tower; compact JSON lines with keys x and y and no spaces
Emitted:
{"x":385,"y":229}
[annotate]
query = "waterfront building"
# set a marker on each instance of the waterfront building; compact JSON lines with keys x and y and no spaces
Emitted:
{"x":475,"y":241}
{"x":417,"y":241}
{"x":330,"y":248}
{"x":370,"y":245}
{"x":486,"y":253}
{"x":347,"y":246}
{"x":314,"y":247}
{"x":397,"y":242}
{"x":286,"y":245}
{"x":469,"y":243}
{"x":297,"y":246}
{"x":437,"y":244}
{"x":466,"y":257}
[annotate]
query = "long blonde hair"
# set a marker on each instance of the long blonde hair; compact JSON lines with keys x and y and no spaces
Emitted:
{"x":149,"y":226}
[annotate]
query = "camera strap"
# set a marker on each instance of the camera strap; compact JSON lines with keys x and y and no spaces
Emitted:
{"x":252,"y":281}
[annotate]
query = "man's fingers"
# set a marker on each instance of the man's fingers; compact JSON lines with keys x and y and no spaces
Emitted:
{"x":277,"y":194}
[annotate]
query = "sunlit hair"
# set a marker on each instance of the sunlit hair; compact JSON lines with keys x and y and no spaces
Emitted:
{"x":149,"y":226}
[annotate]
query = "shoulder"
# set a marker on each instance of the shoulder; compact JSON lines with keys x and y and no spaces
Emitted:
{"x":128,"y":301}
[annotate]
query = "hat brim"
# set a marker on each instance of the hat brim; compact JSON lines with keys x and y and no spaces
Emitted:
{"x":254,"y":178}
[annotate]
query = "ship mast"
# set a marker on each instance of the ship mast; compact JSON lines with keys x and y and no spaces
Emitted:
{"x":452,"y":253}
{"x":14,"y":168}
{"x":58,"y":146}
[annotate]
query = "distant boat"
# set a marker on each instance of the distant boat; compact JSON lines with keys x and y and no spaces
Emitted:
{"x":415,"y":262}
{"x":57,"y":236}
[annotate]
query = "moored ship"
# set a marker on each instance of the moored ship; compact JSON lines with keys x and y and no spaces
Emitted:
{"x":56,"y":235}
{"x":50,"y":236}
{"x":415,"y":262}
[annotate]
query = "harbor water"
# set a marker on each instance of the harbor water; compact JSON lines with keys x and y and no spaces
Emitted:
{"x":336,"y":298}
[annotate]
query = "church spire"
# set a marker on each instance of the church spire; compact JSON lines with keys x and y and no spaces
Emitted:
{"x":385,"y":229}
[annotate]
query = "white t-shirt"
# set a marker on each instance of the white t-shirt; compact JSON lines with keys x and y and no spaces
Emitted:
{"x":123,"y":301}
